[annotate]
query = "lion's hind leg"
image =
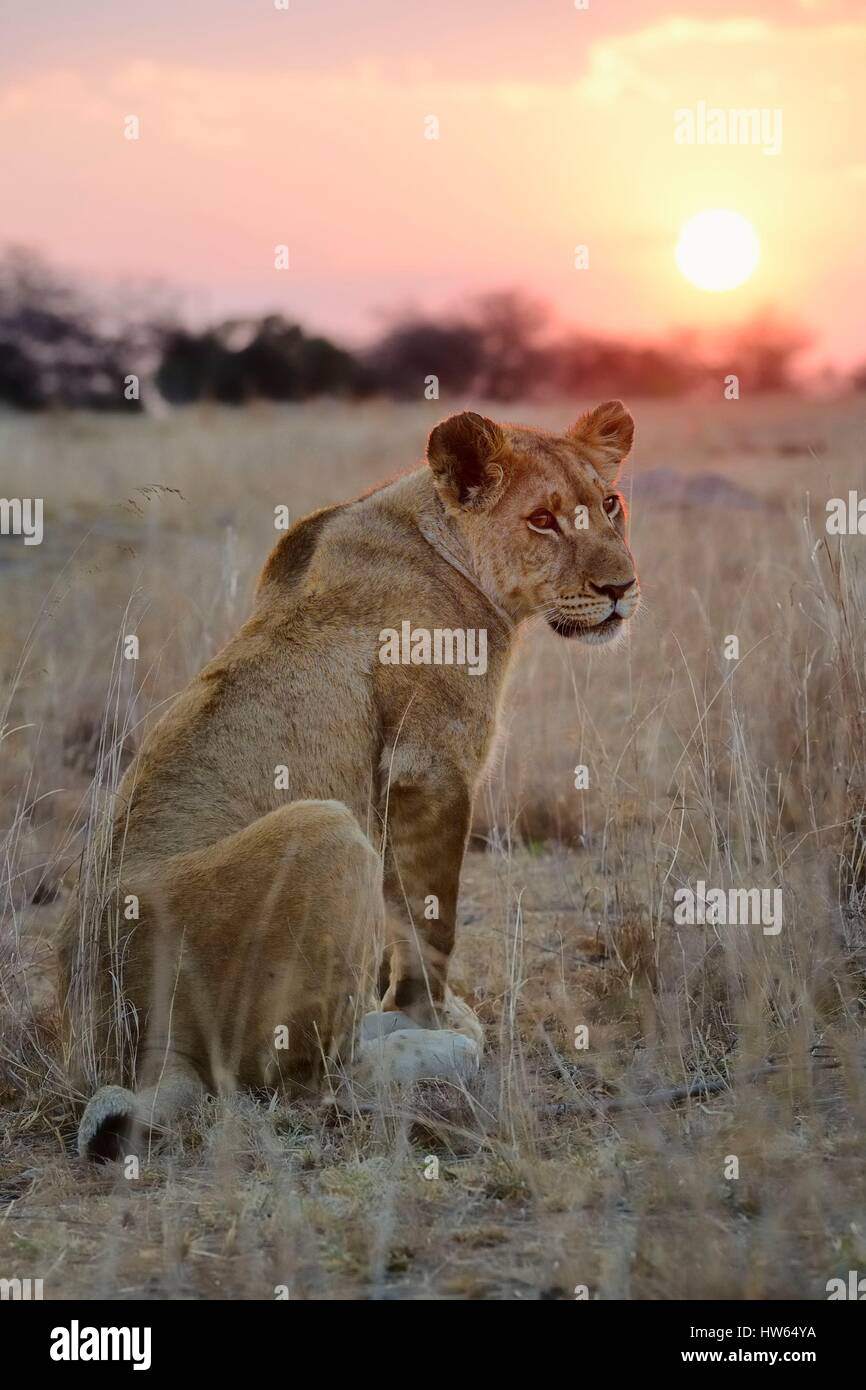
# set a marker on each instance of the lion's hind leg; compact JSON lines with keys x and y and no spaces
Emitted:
{"x":253,"y":963}
{"x":281,"y":967}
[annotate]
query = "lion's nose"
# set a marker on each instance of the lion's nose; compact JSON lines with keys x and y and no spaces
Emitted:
{"x":614,"y":591}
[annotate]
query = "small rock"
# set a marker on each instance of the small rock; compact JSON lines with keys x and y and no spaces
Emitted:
{"x":381,"y":1025}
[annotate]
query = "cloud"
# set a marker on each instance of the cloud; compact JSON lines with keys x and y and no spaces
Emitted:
{"x":657,"y":61}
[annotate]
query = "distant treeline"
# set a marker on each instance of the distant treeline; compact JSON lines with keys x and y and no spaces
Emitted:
{"x":58,"y":350}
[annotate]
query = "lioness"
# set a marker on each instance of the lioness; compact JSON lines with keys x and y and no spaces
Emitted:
{"x":309,"y":795}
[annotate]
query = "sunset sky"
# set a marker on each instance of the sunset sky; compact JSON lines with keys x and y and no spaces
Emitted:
{"x":556,"y":128}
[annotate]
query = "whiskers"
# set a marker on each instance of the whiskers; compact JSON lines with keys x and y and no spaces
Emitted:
{"x":546,"y":611}
{"x":588,"y":625}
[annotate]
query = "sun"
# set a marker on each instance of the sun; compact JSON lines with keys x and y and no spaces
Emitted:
{"x":718,"y":249}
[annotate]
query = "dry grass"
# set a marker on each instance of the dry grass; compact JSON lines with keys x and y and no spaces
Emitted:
{"x":748,"y":773}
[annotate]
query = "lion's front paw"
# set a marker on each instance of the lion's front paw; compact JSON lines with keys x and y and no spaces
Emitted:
{"x":453,"y":1014}
{"x":457,"y":1015}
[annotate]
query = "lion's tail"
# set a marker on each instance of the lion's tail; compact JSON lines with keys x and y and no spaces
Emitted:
{"x":118,"y":1123}
{"x":105,"y":1129}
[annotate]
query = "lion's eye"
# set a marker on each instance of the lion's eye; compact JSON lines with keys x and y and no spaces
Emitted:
{"x":542,"y":520}
{"x":611,"y":504}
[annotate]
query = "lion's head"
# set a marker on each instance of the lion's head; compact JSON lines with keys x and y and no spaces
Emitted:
{"x":541,"y":516}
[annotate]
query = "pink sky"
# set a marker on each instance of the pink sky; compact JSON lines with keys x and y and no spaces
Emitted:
{"x":306,"y":127}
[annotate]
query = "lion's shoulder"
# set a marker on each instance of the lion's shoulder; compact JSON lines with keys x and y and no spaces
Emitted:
{"x":291,"y":556}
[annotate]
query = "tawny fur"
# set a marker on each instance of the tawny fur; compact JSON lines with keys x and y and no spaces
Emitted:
{"x":264,"y":909}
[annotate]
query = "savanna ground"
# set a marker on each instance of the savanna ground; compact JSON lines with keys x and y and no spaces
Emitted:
{"x":743,"y":773}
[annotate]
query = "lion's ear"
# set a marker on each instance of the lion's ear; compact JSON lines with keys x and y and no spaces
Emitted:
{"x":466,"y":455}
{"x":607,"y":433}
